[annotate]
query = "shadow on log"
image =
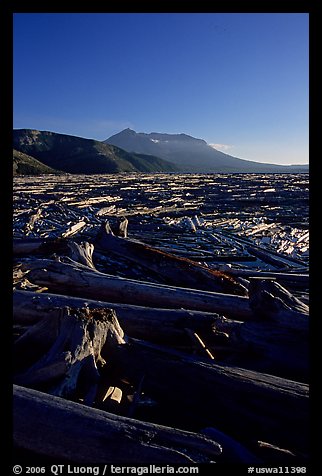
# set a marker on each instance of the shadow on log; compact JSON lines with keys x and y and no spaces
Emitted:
{"x":68,"y":431}
{"x":234,"y":400}
{"x":273,"y":302}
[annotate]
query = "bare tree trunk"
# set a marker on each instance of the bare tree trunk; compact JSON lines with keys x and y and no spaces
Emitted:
{"x":155,"y":324}
{"x":234,"y":400}
{"x":273,"y":302}
{"x":177,"y":271}
{"x":70,"y":432}
{"x":68,"y":349}
{"x":82,"y":253}
{"x":68,"y":279}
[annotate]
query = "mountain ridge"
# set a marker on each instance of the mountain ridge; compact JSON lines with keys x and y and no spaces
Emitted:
{"x":73,"y":154}
{"x":192,"y":154}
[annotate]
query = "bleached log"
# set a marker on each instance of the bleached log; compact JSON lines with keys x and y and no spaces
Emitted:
{"x":280,"y":351}
{"x":300,"y":280}
{"x":82,"y":253}
{"x":68,"y":431}
{"x":274,"y":349}
{"x":60,"y":277}
{"x":271,"y":257}
{"x":73,"y":229}
{"x":32,"y":220}
{"x":70,"y":346}
{"x":176,"y":270}
{"x":155,"y":324}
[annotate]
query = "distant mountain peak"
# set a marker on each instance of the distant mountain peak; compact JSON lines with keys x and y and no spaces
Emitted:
{"x":191,"y":154}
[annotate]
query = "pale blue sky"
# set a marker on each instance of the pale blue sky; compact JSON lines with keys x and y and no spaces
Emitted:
{"x":237,"y":80}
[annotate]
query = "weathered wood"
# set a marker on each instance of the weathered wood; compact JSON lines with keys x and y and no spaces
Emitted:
{"x":61,"y":277}
{"x":234,"y":400}
{"x":198,"y":343}
{"x":73,"y":229}
{"x":299,"y":280}
{"x":233,"y":451}
{"x":275,"y":303}
{"x":284,"y":350}
{"x":76,"y":339}
{"x":154,"y":324}
{"x":82,"y":253}
{"x":68,"y":431}
{"x":269,"y":257}
{"x":176,"y":270}
{"x":269,"y":347}
{"x":25,"y":246}
{"x":32,"y":220}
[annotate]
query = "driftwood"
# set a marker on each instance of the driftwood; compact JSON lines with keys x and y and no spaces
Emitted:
{"x":73,"y":229}
{"x":25,"y":246}
{"x":266,"y":347}
{"x":154,"y":324}
{"x":270,"y":257}
{"x":32,"y":221}
{"x":298,"y":280}
{"x":82,"y":253}
{"x":74,"y":341}
{"x":234,"y":400}
{"x":177,"y":271}
{"x":274,"y":349}
{"x":70,"y":432}
{"x":233,"y":451}
{"x":68,"y":279}
{"x":276,"y":304}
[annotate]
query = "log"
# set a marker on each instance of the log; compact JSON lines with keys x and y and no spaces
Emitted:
{"x":233,"y":451}
{"x":264,"y":346}
{"x":25,"y":246}
{"x":277,"y":304}
{"x":177,"y":271}
{"x":275,"y":350}
{"x":154,"y":324}
{"x":269,"y":257}
{"x":245,"y":404}
{"x":73,"y":229}
{"x":60,"y":277}
{"x":71,"y":432}
{"x":32,"y":220}
{"x":82,"y":253}
{"x":76,"y":339}
{"x":298,"y":280}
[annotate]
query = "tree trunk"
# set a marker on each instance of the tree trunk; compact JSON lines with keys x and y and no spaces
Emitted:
{"x":273,"y":302}
{"x":70,"y":432}
{"x":68,"y":348}
{"x":177,"y":271}
{"x":82,"y":253}
{"x":65,"y":278}
{"x":239,"y":402}
{"x":154,"y":324}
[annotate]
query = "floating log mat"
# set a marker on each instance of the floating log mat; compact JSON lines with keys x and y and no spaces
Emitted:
{"x":131,"y":347}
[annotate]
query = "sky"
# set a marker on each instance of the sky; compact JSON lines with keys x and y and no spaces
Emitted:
{"x":240,"y":81}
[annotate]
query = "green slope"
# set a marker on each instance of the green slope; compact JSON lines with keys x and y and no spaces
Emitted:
{"x":78,"y":155}
{"x":23,"y":164}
